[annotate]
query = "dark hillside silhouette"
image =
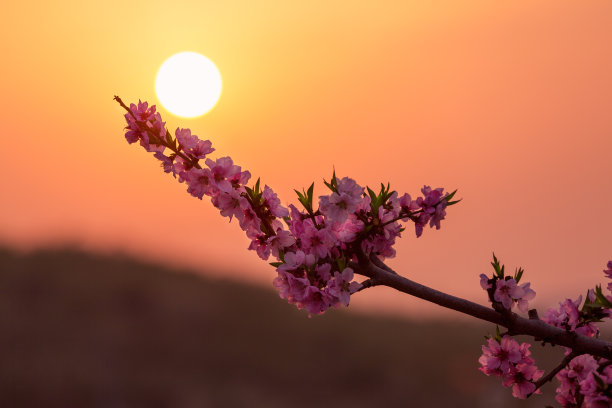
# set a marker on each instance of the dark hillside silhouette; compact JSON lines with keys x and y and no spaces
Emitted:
{"x":83,"y":330}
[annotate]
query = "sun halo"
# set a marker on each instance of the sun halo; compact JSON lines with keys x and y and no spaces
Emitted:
{"x":188,"y":84}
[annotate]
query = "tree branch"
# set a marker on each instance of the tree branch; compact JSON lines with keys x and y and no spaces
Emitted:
{"x":548,"y":377}
{"x":514,"y":323}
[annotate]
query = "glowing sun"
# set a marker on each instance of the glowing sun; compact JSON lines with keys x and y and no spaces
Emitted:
{"x":188,"y":84}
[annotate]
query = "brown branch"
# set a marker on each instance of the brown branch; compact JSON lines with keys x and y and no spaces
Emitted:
{"x":548,"y":377}
{"x":161,"y":142}
{"x":368,"y":283}
{"x":516,"y":324}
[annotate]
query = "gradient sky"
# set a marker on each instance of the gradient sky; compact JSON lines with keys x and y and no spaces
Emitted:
{"x":507,"y":101}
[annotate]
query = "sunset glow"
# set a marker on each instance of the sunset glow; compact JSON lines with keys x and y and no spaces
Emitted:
{"x":188,"y":84}
{"x":508,"y":102}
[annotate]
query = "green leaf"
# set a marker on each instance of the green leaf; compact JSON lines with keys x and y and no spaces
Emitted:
{"x":310,"y":190}
{"x":287,"y":220}
{"x":334,"y":181}
{"x":518,"y":273}
{"x":450,"y":196}
{"x":601,"y":298}
{"x":600,"y":382}
{"x":499,"y":270}
{"x":371,"y":193}
{"x":276,"y":264}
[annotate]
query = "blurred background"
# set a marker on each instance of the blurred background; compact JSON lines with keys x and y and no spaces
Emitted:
{"x":506,"y":101}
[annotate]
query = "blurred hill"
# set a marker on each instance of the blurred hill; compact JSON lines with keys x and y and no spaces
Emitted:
{"x":84,"y":330}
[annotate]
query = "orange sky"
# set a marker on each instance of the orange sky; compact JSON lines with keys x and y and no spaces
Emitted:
{"x":508,"y":101}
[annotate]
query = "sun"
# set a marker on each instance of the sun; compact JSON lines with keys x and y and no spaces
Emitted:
{"x":188,"y":84}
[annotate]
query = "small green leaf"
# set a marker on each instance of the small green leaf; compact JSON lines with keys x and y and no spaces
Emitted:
{"x":601,"y":298}
{"x":499,"y":269}
{"x":309,"y":194}
{"x":276,"y":264}
{"x":450,"y":196}
{"x":518,"y":274}
{"x":341,"y":263}
{"x":371,"y":193}
{"x":600,"y":382}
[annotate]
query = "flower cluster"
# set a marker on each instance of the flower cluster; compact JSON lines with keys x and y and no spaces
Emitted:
{"x":505,"y":290}
{"x":585,"y":382}
{"x":569,"y":317}
{"x":312,"y":248}
{"x":316,"y":250}
{"x":504,"y":357}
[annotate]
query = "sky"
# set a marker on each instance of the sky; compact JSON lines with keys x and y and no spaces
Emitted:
{"x":507,"y":101}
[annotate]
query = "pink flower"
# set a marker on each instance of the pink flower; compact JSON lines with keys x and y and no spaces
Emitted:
{"x":273,"y":203}
{"x":348,"y":230}
{"x":281,"y":240}
{"x":342,"y":286}
{"x":185,"y":138}
{"x":259,"y":244}
{"x":511,"y":361}
{"x":407,"y":205}
{"x":506,"y":291}
{"x":141,"y":113}
{"x":580,"y":367}
{"x":527,"y":295}
{"x":484,"y":282}
{"x":315,"y":301}
{"x":290,"y":287}
{"x":201,"y":149}
{"x":567,"y":316}
{"x":294,"y":260}
{"x":238,"y":180}
{"x":322,"y":275}
{"x":153,"y":141}
{"x":340,"y":204}
{"x":521,"y":379}
{"x":222,"y":169}
{"x":199,"y":182}
{"x":595,"y":395}
{"x":249,"y":220}
{"x":498,"y":357}
{"x":317,"y":242}
{"x":296,"y":225}
{"x":571,"y":378}
{"x":433,"y":204}
{"x":167,"y":163}
{"x":608,"y":271}
{"x":192,"y":145}
{"x":231,"y":204}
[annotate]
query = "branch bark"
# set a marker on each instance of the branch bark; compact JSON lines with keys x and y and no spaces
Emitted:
{"x":514,"y":323}
{"x":548,"y":377}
